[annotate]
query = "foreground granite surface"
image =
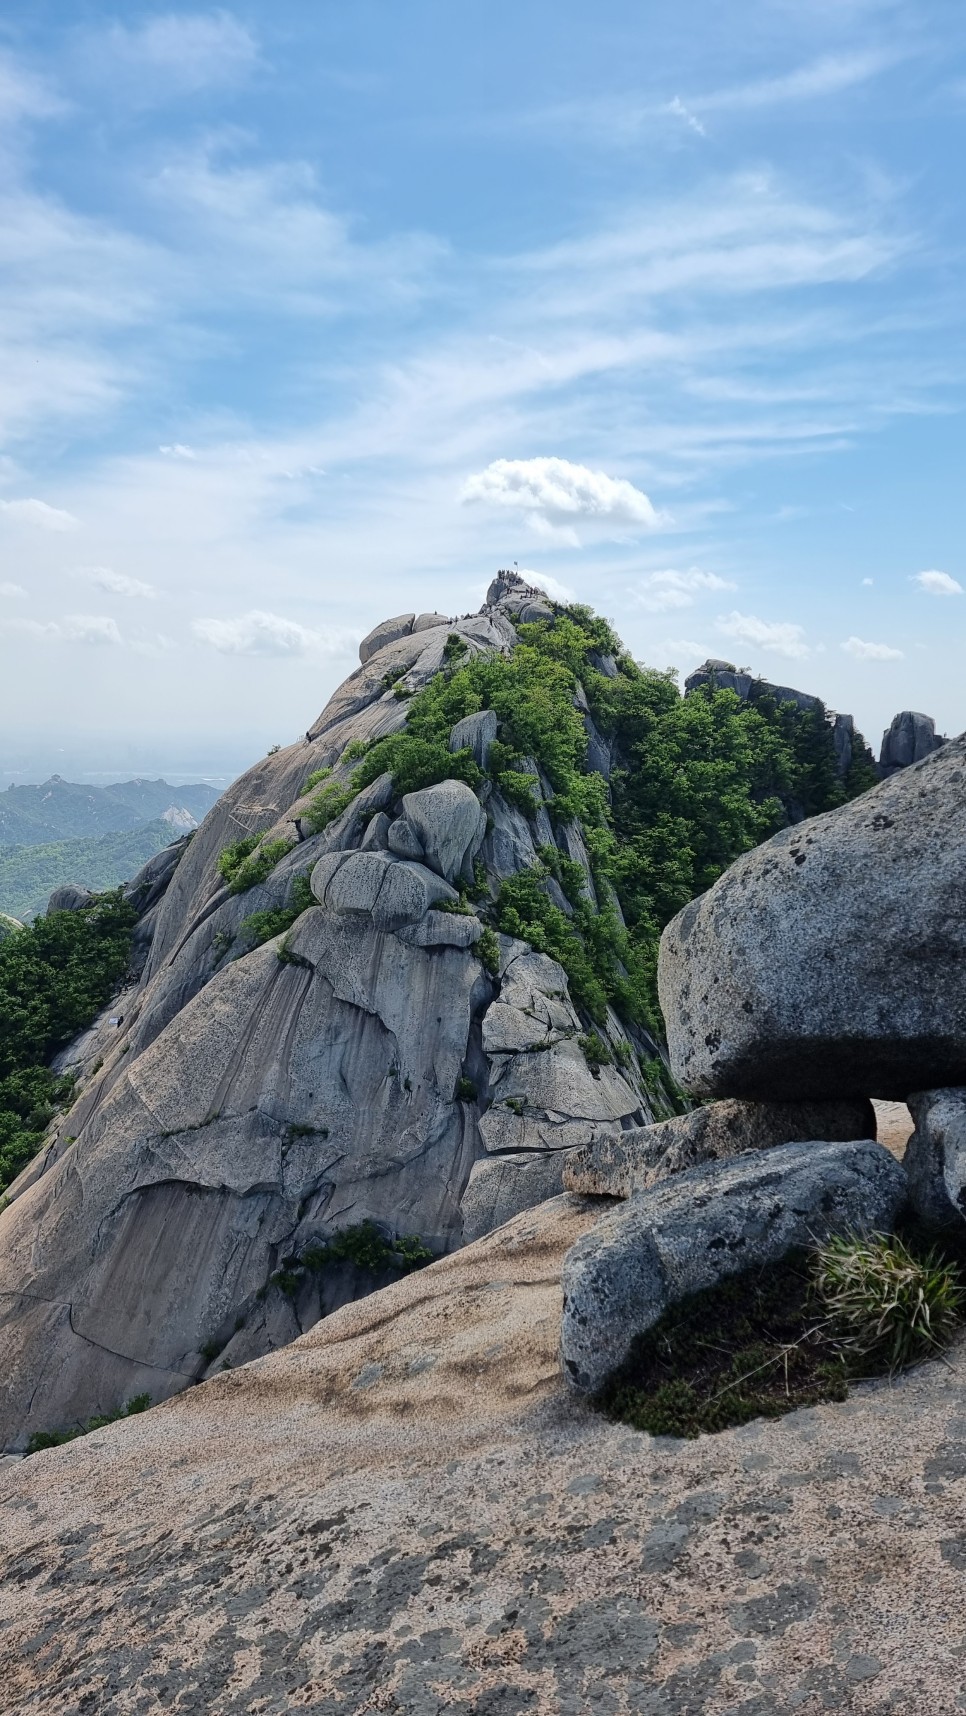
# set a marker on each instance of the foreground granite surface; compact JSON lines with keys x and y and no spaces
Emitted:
{"x":405,"y":1512}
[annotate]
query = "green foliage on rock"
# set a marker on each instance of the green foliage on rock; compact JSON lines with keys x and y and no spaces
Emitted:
{"x":55,"y":1438}
{"x":250,"y":861}
{"x":260,"y":927}
{"x":55,"y":976}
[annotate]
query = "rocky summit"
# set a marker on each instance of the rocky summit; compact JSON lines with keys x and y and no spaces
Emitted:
{"x":472,"y":1049}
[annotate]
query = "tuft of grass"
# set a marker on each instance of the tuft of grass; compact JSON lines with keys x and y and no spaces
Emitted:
{"x":488,"y":952}
{"x":55,"y":1438}
{"x":250,"y":861}
{"x":887,"y":1306}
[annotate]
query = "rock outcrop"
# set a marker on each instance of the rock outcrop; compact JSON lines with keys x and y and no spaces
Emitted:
{"x":619,"y":1164}
{"x":909,"y":739}
{"x":69,"y":898}
{"x":367,"y":1064}
{"x":829,"y":962}
{"x":699,"y":1227}
{"x":935,"y":1158}
{"x":8,"y":925}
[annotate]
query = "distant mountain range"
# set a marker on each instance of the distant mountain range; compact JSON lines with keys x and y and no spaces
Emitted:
{"x":59,"y":810}
{"x":29,"y":874}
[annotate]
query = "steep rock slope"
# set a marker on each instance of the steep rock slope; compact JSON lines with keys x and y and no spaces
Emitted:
{"x":389,"y":980}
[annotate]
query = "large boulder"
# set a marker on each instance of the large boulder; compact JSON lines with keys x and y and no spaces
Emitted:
{"x":500,"y":1187}
{"x":618,"y":1164}
{"x":696,"y":1229}
{"x":830,"y":961}
{"x":69,"y":897}
{"x":449,"y":823}
{"x":909,"y":738}
{"x":475,"y":733}
{"x":935,"y":1158}
{"x":385,"y":633}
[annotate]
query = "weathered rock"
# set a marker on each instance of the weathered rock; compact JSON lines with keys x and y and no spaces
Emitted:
{"x":429,"y":622}
{"x":450,"y":824}
{"x":935,"y":1158}
{"x":377,"y":886}
{"x":442,"y":929}
{"x":829,"y":962}
{"x":69,"y":898}
{"x":909,"y":739}
{"x":376,"y":836}
{"x":404,"y":841}
{"x":500,"y":1187}
{"x":619,"y":1164}
{"x":386,"y":632}
{"x":8,"y":925}
{"x":696,"y":1229}
{"x":475,"y":733}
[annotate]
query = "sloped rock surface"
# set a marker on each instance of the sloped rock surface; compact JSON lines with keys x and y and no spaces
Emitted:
{"x":449,"y":823}
{"x":699,"y":1227}
{"x":829,"y":962}
{"x":621,"y":1163}
{"x":406,"y":1508}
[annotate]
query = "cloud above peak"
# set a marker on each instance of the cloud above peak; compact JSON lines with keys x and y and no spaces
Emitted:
{"x":263,"y":634}
{"x":117,"y":582}
{"x":553,"y":494}
{"x":937,"y":584}
{"x":781,"y":637}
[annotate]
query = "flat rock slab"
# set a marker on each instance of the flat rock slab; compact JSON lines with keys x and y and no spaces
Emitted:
{"x":699,"y":1227}
{"x":405,"y":1510}
{"x":830,"y":961}
{"x":620,"y":1163}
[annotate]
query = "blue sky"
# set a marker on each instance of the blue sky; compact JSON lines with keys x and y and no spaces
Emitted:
{"x":314,"y":314}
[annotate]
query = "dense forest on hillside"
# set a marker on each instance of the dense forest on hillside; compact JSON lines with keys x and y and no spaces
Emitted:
{"x":55,"y":976}
{"x":29,"y":874}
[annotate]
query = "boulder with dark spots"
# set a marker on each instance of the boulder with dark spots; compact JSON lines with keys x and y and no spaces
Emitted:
{"x":831,"y":961}
{"x":618,"y":1164}
{"x":935,"y":1158}
{"x":694,"y":1230}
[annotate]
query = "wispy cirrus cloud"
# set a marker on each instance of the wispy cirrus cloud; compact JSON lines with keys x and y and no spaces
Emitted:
{"x":171,"y":54}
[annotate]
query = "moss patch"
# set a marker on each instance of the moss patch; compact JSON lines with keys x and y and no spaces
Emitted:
{"x":757,"y":1346}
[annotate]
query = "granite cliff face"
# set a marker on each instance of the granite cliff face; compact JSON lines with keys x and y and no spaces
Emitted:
{"x":368,"y":1065}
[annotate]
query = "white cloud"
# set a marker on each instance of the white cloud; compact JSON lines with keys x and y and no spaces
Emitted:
{"x":552,"y":492}
{"x":258,"y":633}
{"x":24,"y":96}
{"x":778,"y":636}
{"x":677,"y":107}
{"x":552,"y":586}
{"x":662,"y":591}
{"x":938,"y":583}
{"x":826,"y":76}
{"x":38,"y":513}
{"x":117,"y":582}
{"x":73,"y":628}
{"x":178,"y":450}
{"x":871,"y":651}
{"x":12,"y":590}
{"x":175,"y":53}
{"x":868,"y":581}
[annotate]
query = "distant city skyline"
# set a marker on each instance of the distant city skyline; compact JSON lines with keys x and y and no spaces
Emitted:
{"x":310,"y":315}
